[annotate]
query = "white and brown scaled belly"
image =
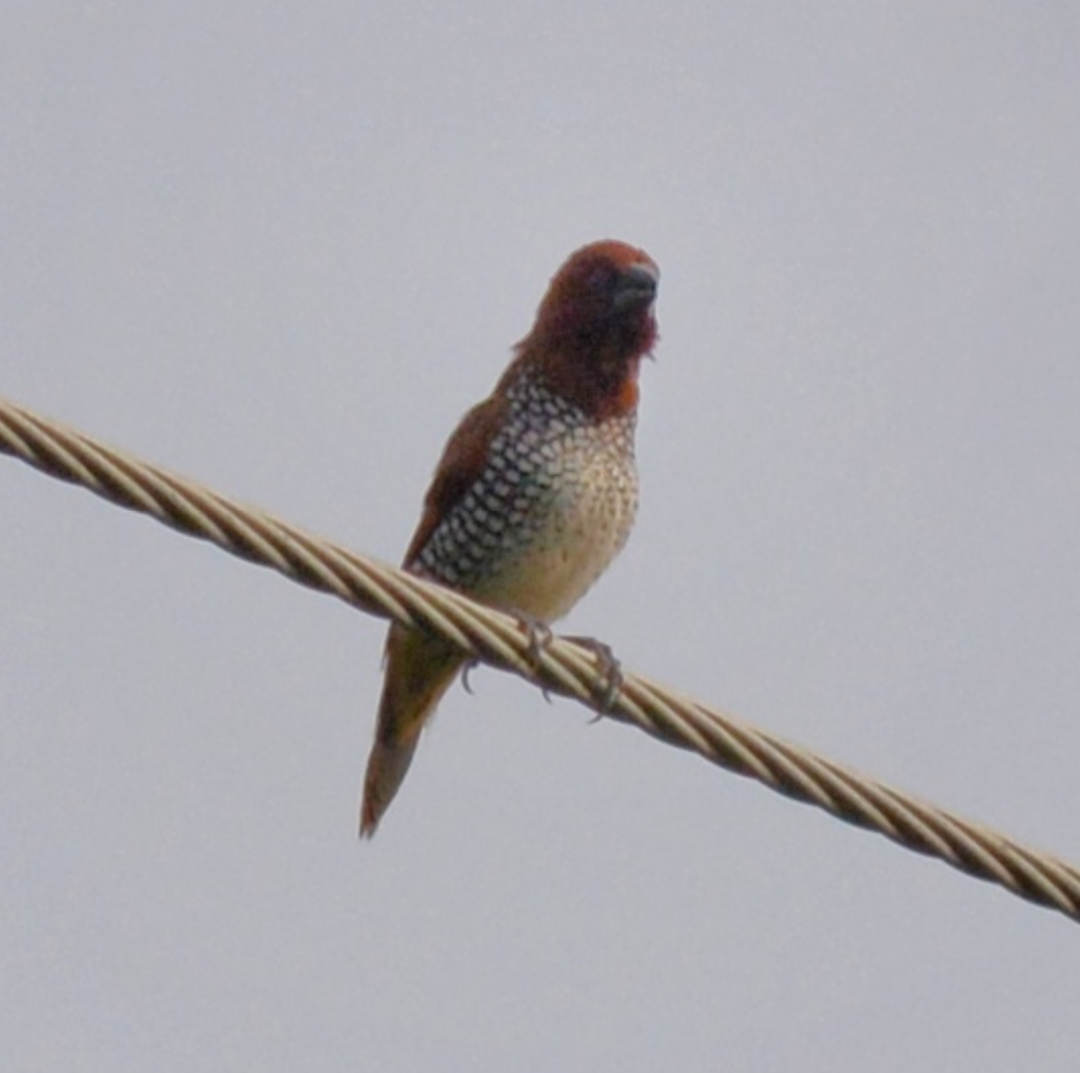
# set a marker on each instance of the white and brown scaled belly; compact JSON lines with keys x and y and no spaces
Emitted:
{"x":551,"y":509}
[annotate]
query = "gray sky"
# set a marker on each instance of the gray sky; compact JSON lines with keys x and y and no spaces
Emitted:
{"x":281,"y":251}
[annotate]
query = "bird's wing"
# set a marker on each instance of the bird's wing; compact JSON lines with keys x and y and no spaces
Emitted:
{"x":463,"y":460}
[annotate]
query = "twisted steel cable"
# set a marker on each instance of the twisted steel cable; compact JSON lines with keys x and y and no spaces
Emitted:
{"x":560,"y":666}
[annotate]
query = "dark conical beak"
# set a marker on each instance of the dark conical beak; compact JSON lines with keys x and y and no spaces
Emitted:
{"x":636,"y":287}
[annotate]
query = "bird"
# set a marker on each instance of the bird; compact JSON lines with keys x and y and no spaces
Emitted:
{"x":536,"y":490}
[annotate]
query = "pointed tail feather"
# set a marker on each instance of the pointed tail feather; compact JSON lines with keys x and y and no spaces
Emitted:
{"x":387,"y":766}
{"x":419,"y":670}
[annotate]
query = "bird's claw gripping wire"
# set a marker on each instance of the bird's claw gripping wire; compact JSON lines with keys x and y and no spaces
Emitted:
{"x":610,"y":672}
{"x":539,"y":636}
{"x":470,"y":666}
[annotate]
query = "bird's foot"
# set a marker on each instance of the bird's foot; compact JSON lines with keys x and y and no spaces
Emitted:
{"x":610,"y":676}
{"x":539,"y":634}
{"x":470,"y":666}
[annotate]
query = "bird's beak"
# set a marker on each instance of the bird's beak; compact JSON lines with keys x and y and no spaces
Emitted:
{"x":636,"y":287}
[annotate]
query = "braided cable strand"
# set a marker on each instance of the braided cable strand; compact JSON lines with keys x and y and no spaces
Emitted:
{"x":560,"y":667}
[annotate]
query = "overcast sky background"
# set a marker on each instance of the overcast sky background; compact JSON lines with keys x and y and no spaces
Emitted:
{"x":280,"y":248}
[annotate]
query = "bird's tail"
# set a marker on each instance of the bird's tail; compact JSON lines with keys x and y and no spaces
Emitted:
{"x":419,"y":670}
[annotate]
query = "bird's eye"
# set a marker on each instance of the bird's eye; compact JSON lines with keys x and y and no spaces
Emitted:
{"x":600,"y":278}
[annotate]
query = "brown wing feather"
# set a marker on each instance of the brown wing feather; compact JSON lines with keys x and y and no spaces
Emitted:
{"x":463,"y":460}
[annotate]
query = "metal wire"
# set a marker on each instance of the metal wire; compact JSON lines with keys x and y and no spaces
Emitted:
{"x":561,"y":666}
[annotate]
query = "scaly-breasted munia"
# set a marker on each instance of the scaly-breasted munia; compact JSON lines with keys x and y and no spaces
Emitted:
{"x":536,"y":490}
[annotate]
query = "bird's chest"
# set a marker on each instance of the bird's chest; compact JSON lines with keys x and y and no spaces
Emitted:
{"x":552,"y":508}
{"x":584,"y":507}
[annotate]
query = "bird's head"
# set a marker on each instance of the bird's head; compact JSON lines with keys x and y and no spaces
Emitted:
{"x":595,"y":324}
{"x":602,"y":295}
